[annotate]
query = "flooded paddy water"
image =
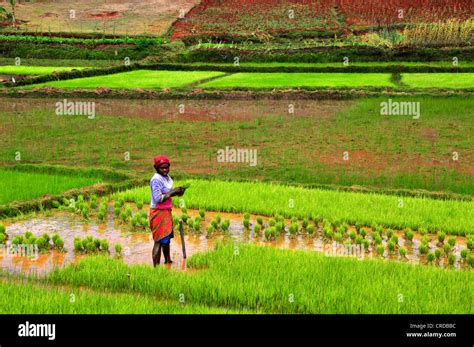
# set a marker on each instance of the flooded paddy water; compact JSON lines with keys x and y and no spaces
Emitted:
{"x":137,"y":245}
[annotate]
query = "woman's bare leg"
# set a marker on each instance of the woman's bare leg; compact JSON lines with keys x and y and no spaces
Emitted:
{"x":156,"y":254}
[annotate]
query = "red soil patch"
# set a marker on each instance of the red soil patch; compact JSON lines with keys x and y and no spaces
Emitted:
{"x":103,"y":14}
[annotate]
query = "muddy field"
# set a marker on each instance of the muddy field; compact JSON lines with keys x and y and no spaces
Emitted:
{"x":109,"y":17}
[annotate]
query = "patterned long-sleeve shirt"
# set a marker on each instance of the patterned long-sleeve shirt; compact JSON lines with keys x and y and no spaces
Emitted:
{"x":159,"y":186}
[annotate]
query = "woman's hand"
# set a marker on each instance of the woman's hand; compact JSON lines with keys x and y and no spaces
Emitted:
{"x":180,"y":191}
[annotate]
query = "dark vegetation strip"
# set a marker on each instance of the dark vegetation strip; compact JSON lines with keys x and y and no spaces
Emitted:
{"x":349,"y":93}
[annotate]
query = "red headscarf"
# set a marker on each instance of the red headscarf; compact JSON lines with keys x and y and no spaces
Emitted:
{"x":160,"y":160}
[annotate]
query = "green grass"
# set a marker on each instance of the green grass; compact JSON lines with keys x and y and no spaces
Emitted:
{"x":386,"y":152}
{"x":135,"y":79}
{"x":267,"y":279}
{"x":288,"y":80}
{"x":33,"y":70}
{"x":439,"y":80}
{"x":30,"y":298}
{"x":20,"y":186}
{"x":268,"y":199}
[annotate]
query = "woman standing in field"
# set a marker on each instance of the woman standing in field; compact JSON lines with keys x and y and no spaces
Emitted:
{"x":161,"y":220}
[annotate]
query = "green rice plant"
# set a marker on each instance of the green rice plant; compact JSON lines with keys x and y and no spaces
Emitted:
{"x":144,"y":222}
{"x":93,"y":204}
{"x":380,"y":250}
{"x":58,"y":242}
{"x":80,"y":198}
{"x":259,"y":220}
{"x":101,"y":216}
{"x":430,"y":257}
{"x":202,"y":213}
{"x":352,"y":235}
{"x":423,"y":231}
{"x":270,"y":233}
{"x":441,"y":236}
{"x":304,"y":223}
{"x":423,"y":249}
{"x":470,"y":243}
{"x":403,"y":252}
{"x":246,"y":223}
{"x":447,"y":248}
{"x":256,"y":229}
{"x":294,"y":219}
{"x":394,"y":239}
{"x":46,"y":237}
{"x":225,"y":225}
{"x":123,"y":216}
{"x":28,"y":234}
{"x":280,"y":227}
{"x":437,"y":253}
{"x":18,"y":240}
{"x":389,"y":234}
{"x":452,"y":241}
{"x":184,"y":210}
{"x":377,"y":240}
{"x":359,"y":239}
{"x":117,"y":211}
{"x":309,"y":229}
{"x":464,"y":253}
{"x":246,"y":215}
{"x":391,"y":246}
{"x":425,"y":239}
{"x":470,"y":260}
{"x":139,"y":204}
{"x":363,"y":232}
{"x":56,"y":204}
{"x":210,"y":230}
{"x":358,"y":226}
{"x":366,"y":244}
{"x":215,"y":223}
{"x":104,"y":245}
{"x":451,"y":259}
{"x":118,"y":250}
{"x":271,"y":222}
{"x":128,"y":211}
{"x":3,"y":239}
{"x":78,"y":245}
{"x":293,"y":229}
{"x":85,"y":212}
{"x":184,"y":217}
{"x":3,"y":230}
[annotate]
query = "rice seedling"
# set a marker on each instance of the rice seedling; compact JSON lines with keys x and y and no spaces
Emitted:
{"x":409,"y":234}
{"x":246,"y":215}
{"x":423,"y":231}
{"x":441,"y":236}
{"x":215,"y":223}
{"x":430,"y":257}
{"x":246,"y":223}
{"x":470,"y":260}
{"x":363,"y":232}
{"x":304,"y":223}
{"x":123,"y":216}
{"x":28,"y":234}
{"x":437,"y":253}
{"x":452,"y":241}
{"x":144,"y":222}
{"x":280,"y":227}
{"x":470,"y":243}
{"x":184,"y":217}
{"x":425,"y":239}
{"x":256,"y":229}
{"x":272,"y":222}
{"x":117,"y":211}
{"x":293,"y":229}
{"x":270,"y":233}
{"x":389,"y":234}
{"x":339,"y":237}
{"x":210,"y":230}
{"x":202,"y":213}
{"x":380,"y":250}
{"x":451,"y":259}
{"x":359,"y":240}
{"x":447,"y":248}
{"x":225,"y":225}
{"x":56,"y":204}
{"x":378,"y":240}
{"x":391,"y":246}
{"x":128,"y":211}
{"x":3,"y":229}
{"x":139,"y":204}
{"x":309,"y":229}
{"x":352,"y":235}
{"x":3,"y":239}
{"x":464,"y":253}
{"x":259,"y":220}
{"x":85,"y":212}
{"x":423,"y":249}
{"x":101,"y":216}
{"x":90,"y":245}
{"x":403,"y":252}
{"x":394,"y":239}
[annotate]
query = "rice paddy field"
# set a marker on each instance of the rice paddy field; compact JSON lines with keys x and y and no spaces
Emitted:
{"x":326,"y":148}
